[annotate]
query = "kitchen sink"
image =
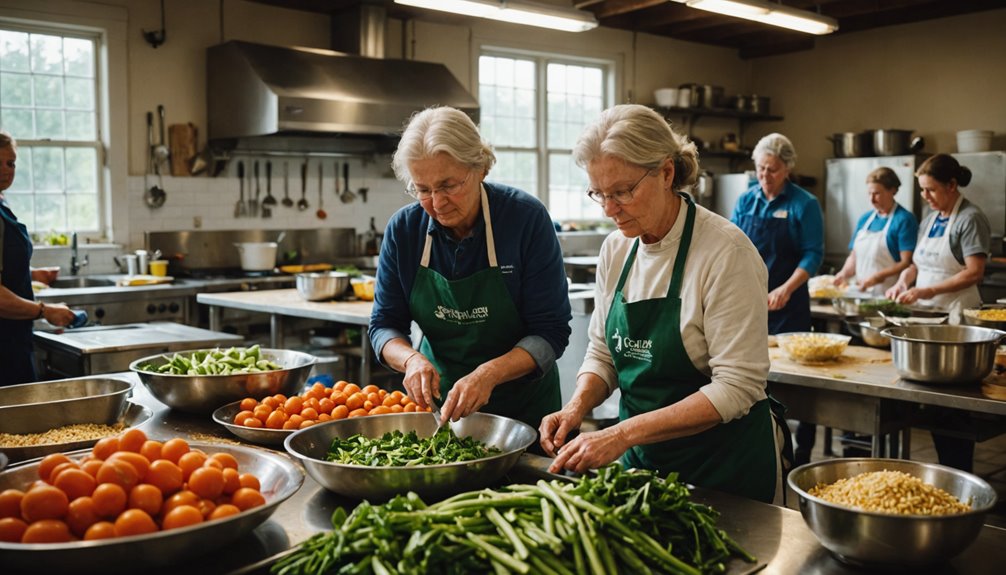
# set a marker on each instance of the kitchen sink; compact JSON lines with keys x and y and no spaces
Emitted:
{"x":80,"y":282}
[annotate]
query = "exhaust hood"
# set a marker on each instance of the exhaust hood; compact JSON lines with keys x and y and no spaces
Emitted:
{"x":271,"y":98}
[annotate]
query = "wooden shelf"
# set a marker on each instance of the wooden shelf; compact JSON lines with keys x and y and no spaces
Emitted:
{"x":718,"y":113}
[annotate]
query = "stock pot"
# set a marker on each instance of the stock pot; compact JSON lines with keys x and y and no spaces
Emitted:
{"x":852,"y":144}
{"x":943,"y":354}
{"x":895,"y":142}
{"x":257,"y":256}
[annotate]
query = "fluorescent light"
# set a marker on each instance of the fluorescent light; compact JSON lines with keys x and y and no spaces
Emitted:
{"x":768,"y":13}
{"x":515,"y":12}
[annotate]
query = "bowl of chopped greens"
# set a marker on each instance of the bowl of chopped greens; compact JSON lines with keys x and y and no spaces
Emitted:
{"x":201,"y":380}
{"x":376,"y":458}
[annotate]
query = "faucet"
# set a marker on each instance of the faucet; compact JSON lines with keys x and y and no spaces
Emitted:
{"x":75,"y":262}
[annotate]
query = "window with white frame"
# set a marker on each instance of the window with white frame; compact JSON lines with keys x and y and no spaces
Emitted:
{"x":532,"y":110}
{"x":49,"y":104}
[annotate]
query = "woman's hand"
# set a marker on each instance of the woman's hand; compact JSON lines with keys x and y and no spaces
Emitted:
{"x":839,"y":280}
{"x":915,"y":294}
{"x":869,"y":282}
{"x":778,"y":298}
{"x":422,"y":381}
{"x":895,"y":290}
{"x":467,"y":396}
{"x":555,"y":427}
{"x":589,"y":450}
{"x":58,"y":314}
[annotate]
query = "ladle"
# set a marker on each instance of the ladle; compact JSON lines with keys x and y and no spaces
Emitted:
{"x":287,"y":202}
{"x":269,"y":200}
{"x":302,"y":203}
{"x":153,"y":196}
{"x":347,"y":194}
{"x":161,"y":153}
{"x":321,"y":213}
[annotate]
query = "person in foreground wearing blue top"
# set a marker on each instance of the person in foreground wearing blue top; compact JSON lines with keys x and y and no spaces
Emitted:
{"x":478,"y":267}
{"x":885,"y":237}
{"x":784,"y":222}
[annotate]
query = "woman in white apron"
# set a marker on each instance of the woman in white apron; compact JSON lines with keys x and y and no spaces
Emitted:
{"x":949,"y":262}
{"x":885,"y":238}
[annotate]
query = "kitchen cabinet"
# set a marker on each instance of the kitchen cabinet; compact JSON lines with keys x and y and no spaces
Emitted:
{"x":691,"y":116}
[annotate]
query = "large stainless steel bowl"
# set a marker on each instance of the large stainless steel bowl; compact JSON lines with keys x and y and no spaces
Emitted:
{"x":879,"y":539}
{"x":943,"y":354}
{"x":39,"y":407}
{"x":264,"y":435}
{"x":204,"y":393}
{"x":431,"y":482}
{"x":135,"y":415}
{"x":280,"y":478}
{"x":973,"y":317}
{"x":321,"y":286}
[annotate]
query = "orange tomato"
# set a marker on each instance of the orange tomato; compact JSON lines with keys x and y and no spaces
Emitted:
{"x":242,"y":417}
{"x":313,"y":403}
{"x":132,"y":440}
{"x":92,"y":466}
{"x":206,"y":507}
{"x":340,"y":412}
{"x":165,"y":475}
{"x":60,"y":469}
{"x":409,"y":408}
{"x":105,"y":447}
{"x":190,"y":462}
{"x":326,"y":405}
{"x":380,"y":410}
{"x":12,"y":529}
{"x":276,"y":420}
{"x":357,"y":413}
{"x":248,"y":404}
{"x":296,"y":419}
{"x":368,"y":389}
{"x":307,"y":423}
{"x":173,"y":449}
{"x":368,"y":405}
{"x":309,"y":413}
{"x":207,"y":482}
{"x":225,"y":510}
{"x":340,"y":385}
{"x":46,"y":531}
{"x":185,"y":497}
{"x":323,"y":417}
{"x":214,"y":463}
{"x":151,"y":449}
{"x":10,"y":503}
{"x":397,"y":409}
{"x":262,"y":411}
{"x":119,"y":472}
{"x":250,"y":481}
{"x":293,"y":405}
{"x":374,"y":398}
{"x":226,"y":459}
{"x":232,"y":481}
{"x":291,"y":425}
{"x":280,"y":398}
{"x":339,"y":398}
{"x":140,"y":463}
{"x":254,"y":422}
{"x":146,"y":497}
{"x":48,"y":463}
{"x":109,"y":499}
{"x":272,"y":402}
{"x":75,"y":483}
{"x":182,"y":516}
{"x":134,"y":522}
{"x":246,"y":498}
{"x":43,"y":502}
{"x":351,"y":388}
{"x":390,"y":400}
{"x":100,"y":530}
{"x":81,"y":515}
{"x":406,"y":400}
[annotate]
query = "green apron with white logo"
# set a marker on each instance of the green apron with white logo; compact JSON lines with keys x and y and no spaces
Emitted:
{"x":470,"y":321}
{"x":654,"y":371}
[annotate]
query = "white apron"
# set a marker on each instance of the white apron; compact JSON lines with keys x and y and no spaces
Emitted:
{"x":936,"y":263}
{"x":872,"y":254}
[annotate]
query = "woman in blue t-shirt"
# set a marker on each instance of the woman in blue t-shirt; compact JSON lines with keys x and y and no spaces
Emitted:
{"x":884,"y":240}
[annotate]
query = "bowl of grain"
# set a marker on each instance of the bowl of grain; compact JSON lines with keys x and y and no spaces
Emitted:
{"x":812,"y":347}
{"x":891,"y":512}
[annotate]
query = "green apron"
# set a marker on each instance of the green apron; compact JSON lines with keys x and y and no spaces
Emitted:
{"x":654,"y":371}
{"x":470,"y":321}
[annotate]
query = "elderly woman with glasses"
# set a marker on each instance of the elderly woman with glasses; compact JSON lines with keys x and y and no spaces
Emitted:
{"x":679,"y":323}
{"x":477,"y":266}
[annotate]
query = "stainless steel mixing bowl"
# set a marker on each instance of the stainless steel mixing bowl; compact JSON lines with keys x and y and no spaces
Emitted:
{"x":204,"y":393}
{"x":321,"y":286}
{"x":971,"y":317}
{"x":943,"y":354}
{"x":879,"y":539}
{"x":39,"y":407}
{"x":431,"y":482}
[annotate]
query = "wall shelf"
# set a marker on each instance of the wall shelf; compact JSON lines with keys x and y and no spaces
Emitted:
{"x":743,"y":117}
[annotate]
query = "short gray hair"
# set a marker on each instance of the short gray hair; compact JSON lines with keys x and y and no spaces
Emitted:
{"x":640,"y":136}
{"x":441,"y":129}
{"x":776,"y":145}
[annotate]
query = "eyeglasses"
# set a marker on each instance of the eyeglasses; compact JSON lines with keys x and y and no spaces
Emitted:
{"x":620,"y":197}
{"x":425,"y":194}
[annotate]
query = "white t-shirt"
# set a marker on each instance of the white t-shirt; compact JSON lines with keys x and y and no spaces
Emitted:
{"x":724,"y":306}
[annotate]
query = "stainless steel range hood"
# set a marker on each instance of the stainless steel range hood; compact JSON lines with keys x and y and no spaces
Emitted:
{"x":271,"y":98}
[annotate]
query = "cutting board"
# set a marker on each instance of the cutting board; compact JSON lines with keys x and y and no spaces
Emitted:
{"x":857,"y":363}
{"x":183,"y":141}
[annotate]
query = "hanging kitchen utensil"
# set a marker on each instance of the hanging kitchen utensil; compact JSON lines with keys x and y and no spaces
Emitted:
{"x":153,"y":196}
{"x":347,"y":194}
{"x":239,"y":209}
{"x":364,"y":189}
{"x":287,"y":202}
{"x":258,"y":190}
{"x":161,"y":153}
{"x":336,"y":180}
{"x":269,"y":199}
{"x":302,"y":203}
{"x":321,"y":210}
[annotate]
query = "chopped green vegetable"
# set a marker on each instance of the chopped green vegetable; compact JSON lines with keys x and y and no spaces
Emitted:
{"x":613,"y":522}
{"x":397,"y":449}
{"x":887,"y":306}
{"x":233,"y":361}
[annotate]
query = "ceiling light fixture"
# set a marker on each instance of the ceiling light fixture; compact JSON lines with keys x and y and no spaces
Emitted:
{"x":768,"y":13}
{"x":515,"y":12}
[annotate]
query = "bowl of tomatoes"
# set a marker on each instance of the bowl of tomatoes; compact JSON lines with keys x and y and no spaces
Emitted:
{"x":141,"y":505}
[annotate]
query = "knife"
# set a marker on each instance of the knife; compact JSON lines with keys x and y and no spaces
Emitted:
{"x":436,"y":412}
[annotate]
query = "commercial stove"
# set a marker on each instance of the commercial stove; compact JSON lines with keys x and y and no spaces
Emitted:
{"x":111,"y":348}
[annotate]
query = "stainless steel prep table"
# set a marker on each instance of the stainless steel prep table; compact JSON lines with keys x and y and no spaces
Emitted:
{"x":777,"y":536}
{"x":287,"y":302}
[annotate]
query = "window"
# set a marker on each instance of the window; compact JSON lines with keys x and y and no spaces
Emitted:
{"x":49,"y":104}
{"x":533,"y":108}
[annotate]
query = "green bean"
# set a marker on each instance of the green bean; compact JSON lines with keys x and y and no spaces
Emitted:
{"x":234,"y":361}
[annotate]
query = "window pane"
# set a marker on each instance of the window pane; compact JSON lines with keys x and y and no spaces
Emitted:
{"x":19,"y":123}
{"x":517,"y":169}
{"x":48,"y":91}
{"x":47,"y":172}
{"x":506,"y":96}
{"x":22,"y":176}
{"x":49,"y":124}
{"x":23,"y":206}
{"x":15,"y":89}
{"x":50,"y":212}
{"x":81,"y":168}
{"x":79,"y":94}
{"x":80,"y":126}
{"x":82,"y":210}
{"x":567,"y":191}
{"x":46,"y":54}
{"x":79,"y":54}
{"x":14,"y":51}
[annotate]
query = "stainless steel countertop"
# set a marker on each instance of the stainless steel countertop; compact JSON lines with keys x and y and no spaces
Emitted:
{"x":777,"y":536}
{"x":288,"y":302}
{"x":125,"y":337}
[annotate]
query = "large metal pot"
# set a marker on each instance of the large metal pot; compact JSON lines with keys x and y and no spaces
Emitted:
{"x":895,"y":142}
{"x":852,"y":144}
{"x":943,"y":354}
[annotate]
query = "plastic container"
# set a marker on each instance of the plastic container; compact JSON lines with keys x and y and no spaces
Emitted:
{"x":969,"y":141}
{"x":159,"y":268}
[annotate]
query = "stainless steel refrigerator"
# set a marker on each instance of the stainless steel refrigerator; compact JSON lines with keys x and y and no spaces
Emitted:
{"x":987,"y":190}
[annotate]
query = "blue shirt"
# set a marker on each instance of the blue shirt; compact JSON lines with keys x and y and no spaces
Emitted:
{"x":527,"y":251}
{"x":901,"y":236}
{"x":803,"y":217}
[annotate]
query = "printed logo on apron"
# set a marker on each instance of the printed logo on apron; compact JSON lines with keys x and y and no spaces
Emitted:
{"x":629,"y":348}
{"x":473,"y":316}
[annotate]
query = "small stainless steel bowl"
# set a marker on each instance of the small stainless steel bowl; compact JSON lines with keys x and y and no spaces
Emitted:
{"x":887,"y":540}
{"x":39,"y":407}
{"x":321,"y":286}
{"x":871,"y":335}
{"x":205,"y":393}
{"x":431,"y":482}
{"x":225,"y":417}
{"x":943,"y":354}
